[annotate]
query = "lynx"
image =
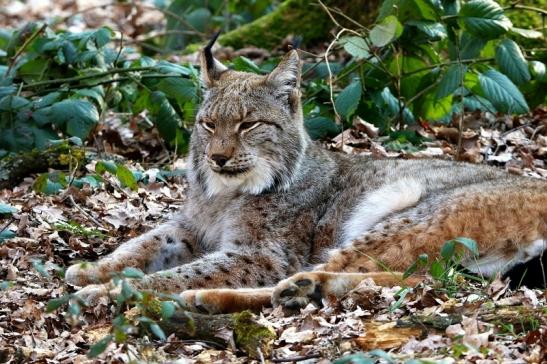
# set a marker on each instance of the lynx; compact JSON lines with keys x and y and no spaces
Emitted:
{"x":272,"y":218}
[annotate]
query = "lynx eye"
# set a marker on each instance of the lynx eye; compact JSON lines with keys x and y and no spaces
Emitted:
{"x":208,"y":126}
{"x":248,"y":125}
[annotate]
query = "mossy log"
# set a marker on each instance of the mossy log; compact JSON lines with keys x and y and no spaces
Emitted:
{"x":250,"y":336}
{"x":305,"y":18}
{"x":13,"y":168}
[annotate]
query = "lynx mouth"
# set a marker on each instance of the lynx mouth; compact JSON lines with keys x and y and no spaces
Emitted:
{"x":231,"y":172}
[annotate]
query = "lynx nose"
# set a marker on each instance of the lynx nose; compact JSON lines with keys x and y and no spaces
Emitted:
{"x":220,"y":159}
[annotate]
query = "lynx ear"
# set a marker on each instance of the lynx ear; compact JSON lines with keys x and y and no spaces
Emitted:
{"x":211,"y":68}
{"x":285,"y":78}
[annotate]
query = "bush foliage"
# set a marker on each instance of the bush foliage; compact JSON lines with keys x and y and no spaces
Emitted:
{"x":421,"y":60}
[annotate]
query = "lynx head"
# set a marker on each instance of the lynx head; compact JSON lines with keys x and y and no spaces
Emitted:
{"x":249,"y":135}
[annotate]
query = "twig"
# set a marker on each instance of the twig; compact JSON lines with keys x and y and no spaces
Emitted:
{"x":464,"y":61}
{"x":84,"y":212}
{"x":260,"y":355}
{"x":119,"y":50}
{"x":86,"y":77}
{"x":525,"y":7}
{"x":153,"y":35}
{"x":23,"y":47}
{"x":12,"y":219}
{"x":105,"y":82}
{"x":296,"y":358}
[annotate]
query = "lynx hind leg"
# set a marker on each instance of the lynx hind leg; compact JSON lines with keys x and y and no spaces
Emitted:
{"x":507,"y":219}
{"x":312,"y":287}
{"x":164,"y":247}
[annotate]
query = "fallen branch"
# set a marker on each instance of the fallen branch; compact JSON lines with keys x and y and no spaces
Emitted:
{"x":14,"y":168}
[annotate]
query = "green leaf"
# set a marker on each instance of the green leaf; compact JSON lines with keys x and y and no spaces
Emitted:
{"x":55,"y":303}
{"x":77,"y":116}
{"x":126,"y":177}
{"x":451,"y":80}
{"x":50,"y":183}
{"x":181,"y":89}
{"x":95,"y":93}
{"x":99,"y":347}
{"x":502,"y":93}
{"x":106,"y":166}
{"x":527,"y":33}
{"x":33,"y":70}
{"x":244,"y":64}
{"x":448,"y":249}
{"x":355,"y":46}
{"x":484,"y":19}
{"x":417,"y":265}
{"x":538,"y":70}
{"x":74,"y":309}
{"x":321,"y":127}
{"x":471,"y":47}
{"x":435,"y":31}
{"x":436,"y":270}
{"x":39,"y":266}
{"x":7,"y":209}
{"x":12,"y":103}
{"x":6,"y":234}
{"x":402,"y":294}
{"x":347,"y":101}
{"x":387,"y":8}
{"x":130,"y":272}
{"x":167,"y":309}
{"x":435,"y":109}
{"x":386,"y":31}
{"x":427,"y":10}
{"x":47,"y":100}
{"x":167,"y":67}
{"x":512,"y":62}
{"x":470,"y":244}
{"x":164,"y":115}
{"x":156,"y":330}
{"x":103,"y":36}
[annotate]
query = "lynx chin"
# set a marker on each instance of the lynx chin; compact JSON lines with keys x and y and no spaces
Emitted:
{"x":272,"y":218}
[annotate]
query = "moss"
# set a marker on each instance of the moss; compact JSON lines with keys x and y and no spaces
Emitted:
{"x":524,"y":18}
{"x":297,"y":17}
{"x":251,"y":336}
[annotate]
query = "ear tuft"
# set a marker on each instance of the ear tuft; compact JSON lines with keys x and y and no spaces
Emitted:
{"x":211,"y":68}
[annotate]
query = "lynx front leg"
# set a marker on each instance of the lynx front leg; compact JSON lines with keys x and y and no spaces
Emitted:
{"x":225,"y":300}
{"x":168,"y":245}
{"x":223,"y":269}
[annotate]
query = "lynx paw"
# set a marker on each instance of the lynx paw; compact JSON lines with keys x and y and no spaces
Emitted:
{"x":83,"y":274}
{"x":298,"y":291}
{"x":92,"y":294}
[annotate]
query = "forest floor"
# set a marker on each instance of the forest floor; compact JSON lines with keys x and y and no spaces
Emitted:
{"x":474,"y":321}
{"x":481,"y":321}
